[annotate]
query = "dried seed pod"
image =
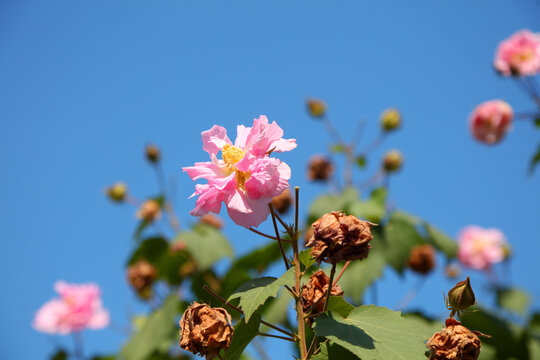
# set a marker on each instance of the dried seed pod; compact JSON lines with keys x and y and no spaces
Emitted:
{"x":422,"y":258}
{"x":454,"y":342}
{"x":392,"y":161}
{"x":314,"y":292}
{"x":211,"y":220}
{"x":338,"y":237}
{"x":320,"y":168}
{"x":152,"y":153}
{"x":205,"y":330}
{"x":149,"y":211}
{"x":282,"y":202}
{"x":316,"y":108}
{"x":141,"y":276}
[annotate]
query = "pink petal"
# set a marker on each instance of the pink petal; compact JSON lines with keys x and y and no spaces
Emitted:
{"x":214,"y":139}
{"x":205,"y":170}
{"x":269,"y":177}
{"x":247,"y":212}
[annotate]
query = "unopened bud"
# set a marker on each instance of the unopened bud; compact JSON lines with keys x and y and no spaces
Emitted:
{"x":149,"y":211}
{"x":316,"y":108}
{"x":282,"y":202}
{"x":392,"y":161}
{"x":461,"y":296}
{"x":152,"y":153}
{"x":117,"y":192}
{"x":390,"y":119}
{"x":422,"y":259}
{"x":320,"y":168}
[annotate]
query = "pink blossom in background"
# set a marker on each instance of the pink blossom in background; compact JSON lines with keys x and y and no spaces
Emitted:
{"x":246,"y":178}
{"x":519,"y":54}
{"x":491,"y":120}
{"x":480,"y":248}
{"x":78,"y":307}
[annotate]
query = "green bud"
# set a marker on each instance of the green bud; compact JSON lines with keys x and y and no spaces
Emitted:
{"x":392,"y":161}
{"x":390,"y":119}
{"x":117,"y":192}
{"x":316,"y":108}
{"x":461,"y":296}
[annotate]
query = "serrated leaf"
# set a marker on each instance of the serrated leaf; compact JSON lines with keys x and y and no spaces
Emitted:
{"x":338,"y":305}
{"x":373,"y":332}
{"x":255,"y":292}
{"x":156,"y":334}
{"x":361,"y":274}
{"x":305,"y":258}
{"x":441,"y":241}
{"x":514,"y":300}
{"x":242,"y":336}
{"x":206,"y":244}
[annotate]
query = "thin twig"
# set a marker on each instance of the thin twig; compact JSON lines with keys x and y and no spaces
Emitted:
{"x":225,"y":302}
{"x":341,"y":272}
{"x":296,"y":201}
{"x":262,"y":234}
{"x":374,"y":144}
{"x":332,"y":130}
{"x":276,"y":336}
{"x":277,"y":235}
{"x":411,"y":294}
{"x":332,"y":273}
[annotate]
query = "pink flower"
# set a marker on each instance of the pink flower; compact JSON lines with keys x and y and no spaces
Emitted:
{"x":519,"y":54}
{"x":491,"y":120}
{"x":246,"y":178}
{"x":78,"y":307}
{"x":480,"y":248}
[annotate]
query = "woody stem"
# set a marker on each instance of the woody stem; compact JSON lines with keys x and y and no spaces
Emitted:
{"x":225,"y":302}
{"x":277,"y":236}
{"x":341,"y":273}
{"x":330,"y":285}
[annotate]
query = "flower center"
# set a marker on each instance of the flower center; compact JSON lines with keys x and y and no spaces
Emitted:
{"x":232,"y":154}
{"x":523,"y":56}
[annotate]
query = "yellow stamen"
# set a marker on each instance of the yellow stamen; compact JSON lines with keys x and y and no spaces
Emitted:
{"x":232,"y":154}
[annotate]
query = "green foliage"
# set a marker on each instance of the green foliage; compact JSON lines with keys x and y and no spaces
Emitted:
{"x":361,"y":274}
{"x":333,"y":351}
{"x":143,"y":224}
{"x":305,"y":258}
{"x":255,"y":292}
{"x":242,"y":336}
{"x":276,"y":311}
{"x":338,"y":305}
{"x":337,"y":148}
{"x":157,"y":334}
{"x":332,"y":202}
{"x":441,"y":241}
{"x":206,"y":244}
{"x":361,"y":161}
{"x":59,"y":355}
{"x":513,"y":299}
{"x":373,"y":332}
{"x":400,"y":236}
{"x":534,"y":160}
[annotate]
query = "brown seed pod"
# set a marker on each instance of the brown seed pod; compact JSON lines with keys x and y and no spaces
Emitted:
{"x":149,"y":211}
{"x":211,"y":220}
{"x":454,"y":342}
{"x":338,"y":237}
{"x":314,"y":292}
{"x":282,"y":202}
{"x":320,"y":168}
{"x":141,"y":276}
{"x":422,"y":258}
{"x":205,"y":330}
{"x":152,"y":153}
{"x":316,"y":107}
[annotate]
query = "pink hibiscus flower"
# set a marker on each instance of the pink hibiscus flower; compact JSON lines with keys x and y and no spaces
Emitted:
{"x":246,"y":178}
{"x":491,"y":120}
{"x":78,"y":307}
{"x":519,"y":54}
{"x":481,"y":248}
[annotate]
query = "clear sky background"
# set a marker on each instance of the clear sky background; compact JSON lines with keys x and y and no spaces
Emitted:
{"x":84,"y":85}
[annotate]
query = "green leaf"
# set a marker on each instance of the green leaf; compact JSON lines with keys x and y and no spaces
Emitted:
{"x":370,"y":210}
{"x":361,"y":274}
{"x":276,"y":311}
{"x":537,"y":122}
{"x":151,"y":249}
{"x":331,"y":351}
{"x":361,"y":161}
{"x":206,"y":244}
{"x":338,"y":305}
{"x":305,"y":258}
{"x":534,"y":160}
{"x":337,"y":148}
{"x":327,"y":203}
{"x":255,"y":292}
{"x":242,"y":336}
{"x":59,"y":355}
{"x":427,"y":326}
{"x":157,"y":333}
{"x":514,"y":300}
{"x":400,"y":236}
{"x":441,"y":241}
{"x":379,"y":195}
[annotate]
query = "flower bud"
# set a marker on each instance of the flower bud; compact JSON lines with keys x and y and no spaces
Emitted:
{"x":152,"y":153}
{"x":390,"y":120}
{"x":211,"y":220}
{"x":316,"y":108}
{"x":320,"y":168}
{"x":141,"y":276}
{"x":117,"y":192}
{"x":490,"y":121}
{"x":422,"y":259}
{"x":204,"y":330}
{"x":338,"y":237}
{"x":314,"y":292}
{"x":461,"y":296}
{"x":149,"y":211}
{"x":454,"y":342}
{"x":282,"y":202}
{"x":392,"y":161}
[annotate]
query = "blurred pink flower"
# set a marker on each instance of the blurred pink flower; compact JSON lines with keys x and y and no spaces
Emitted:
{"x":480,"y":248}
{"x":519,"y":54}
{"x":246,"y":178}
{"x":491,"y":120}
{"x":78,"y":307}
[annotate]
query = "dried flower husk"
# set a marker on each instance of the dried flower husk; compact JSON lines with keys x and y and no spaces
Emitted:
{"x":152,"y":153}
{"x":314,"y":292}
{"x":205,"y":330}
{"x":340,"y":237}
{"x":422,"y":258}
{"x":211,"y":220}
{"x":150,"y":210}
{"x":454,"y":342}
{"x":282,"y":202}
{"x":141,"y":276}
{"x":320,"y":168}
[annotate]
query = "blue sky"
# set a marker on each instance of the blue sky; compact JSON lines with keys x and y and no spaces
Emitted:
{"x":84,"y":85}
